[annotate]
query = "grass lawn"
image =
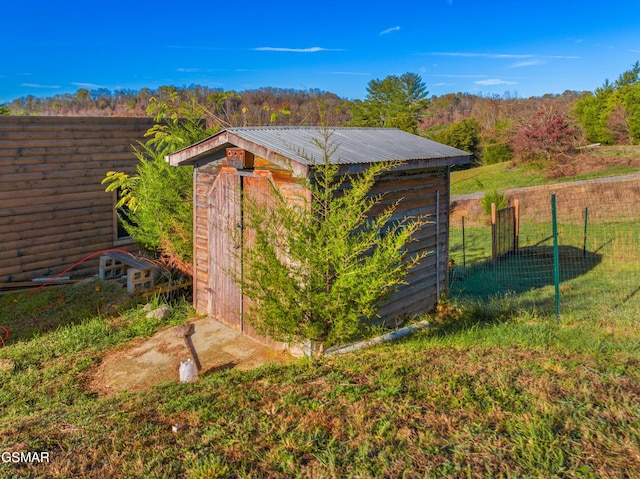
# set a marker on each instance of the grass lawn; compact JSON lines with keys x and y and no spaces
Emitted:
{"x":494,"y":177}
{"x":492,"y":390}
{"x":605,"y":161}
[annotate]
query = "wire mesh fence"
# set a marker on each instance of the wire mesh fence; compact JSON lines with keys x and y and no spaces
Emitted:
{"x":580,"y":256}
{"x":504,"y":230}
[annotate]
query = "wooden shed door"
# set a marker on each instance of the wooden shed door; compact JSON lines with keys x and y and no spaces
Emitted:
{"x":225,"y":230}
{"x":257,"y":187}
{"x":227,"y":235}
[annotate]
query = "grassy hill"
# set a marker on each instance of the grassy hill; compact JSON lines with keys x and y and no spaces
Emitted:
{"x":489,"y":391}
{"x":603,"y":162}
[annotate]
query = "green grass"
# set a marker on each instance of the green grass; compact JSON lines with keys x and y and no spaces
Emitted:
{"x":494,"y":177}
{"x":503,"y":175}
{"x":494,"y":389}
{"x":611,"y":171}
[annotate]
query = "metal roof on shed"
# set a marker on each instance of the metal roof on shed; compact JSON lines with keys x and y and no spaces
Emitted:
{"x":304,"y":145}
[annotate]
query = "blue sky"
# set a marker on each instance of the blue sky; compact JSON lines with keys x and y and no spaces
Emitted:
{"x":527,"y":48}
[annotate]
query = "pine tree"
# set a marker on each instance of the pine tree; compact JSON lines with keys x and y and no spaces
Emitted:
{"x":394,"y":102}
{"x":320,"y":269}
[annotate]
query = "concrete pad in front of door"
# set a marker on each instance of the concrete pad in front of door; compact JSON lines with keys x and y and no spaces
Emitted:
{"x":148,"y":362}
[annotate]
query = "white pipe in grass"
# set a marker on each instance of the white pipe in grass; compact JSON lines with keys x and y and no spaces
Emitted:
{"x":391,"y":336}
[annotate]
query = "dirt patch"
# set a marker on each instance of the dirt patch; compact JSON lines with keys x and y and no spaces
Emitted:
{"x":148,"y":362}
{"x":6,"y":364}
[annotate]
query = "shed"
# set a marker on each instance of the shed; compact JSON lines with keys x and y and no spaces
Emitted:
{"x":54,"y":209}
{"x":244,"y":160}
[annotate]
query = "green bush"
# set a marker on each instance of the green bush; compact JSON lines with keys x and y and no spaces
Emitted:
{"x":464,"y":135}
{"x":320,"y":270}
{"x":500,"y":199}
{"x":156,"y":203}
{"x":496,"y":153}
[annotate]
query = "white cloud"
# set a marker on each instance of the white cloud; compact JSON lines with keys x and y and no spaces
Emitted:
{"x":86,"y":85}
{"x":561,"y":57}
{"x":529,"y":63}
{"x":456,"y":76}
{"x":188,"y":70}
{"x":295,"y":50}
{"x":493,"y":82}
{"x":480,"y":55}
{"x":37,"y":85}
{"x":389,"y":30}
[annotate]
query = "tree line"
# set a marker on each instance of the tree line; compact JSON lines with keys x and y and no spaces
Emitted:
{"x":548,"y":129}
{"x":259,"y":107}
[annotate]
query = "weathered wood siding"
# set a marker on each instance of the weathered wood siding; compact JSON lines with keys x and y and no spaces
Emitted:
{"x":225,"y":219}
{"x":54,"y":209}
{"x":420,"y":191}
{"x":203,"y":183}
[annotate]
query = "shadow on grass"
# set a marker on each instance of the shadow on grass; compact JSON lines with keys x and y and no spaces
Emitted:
{"x":219,"y":368}
{"x":29,"y":314}
{"x":464,"y":313}
{"x":628,"y":297}
{"x":530,"y":268}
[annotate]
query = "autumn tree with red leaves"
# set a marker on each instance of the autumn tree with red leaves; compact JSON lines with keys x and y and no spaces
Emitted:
{"x":548,"y":137}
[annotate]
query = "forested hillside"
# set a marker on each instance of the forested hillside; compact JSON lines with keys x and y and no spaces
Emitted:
{"x":278,"y":106}
{"x":548,"y":130}
{"x":264,"y":106}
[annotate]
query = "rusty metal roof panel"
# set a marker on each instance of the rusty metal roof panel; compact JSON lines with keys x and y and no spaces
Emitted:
{"x":351,"y":147}
{"x":347,"y":145}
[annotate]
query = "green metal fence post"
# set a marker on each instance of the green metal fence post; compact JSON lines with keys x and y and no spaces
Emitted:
{"x":464,"y":251}
{"x":584,"y":234}
{"x":556,"y":258}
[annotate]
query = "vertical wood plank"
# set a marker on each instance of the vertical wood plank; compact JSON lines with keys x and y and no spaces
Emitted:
{"x":256,"y":188}
{"x":224,"y":259}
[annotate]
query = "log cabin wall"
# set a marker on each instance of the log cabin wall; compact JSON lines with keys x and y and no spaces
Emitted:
{"x":54,"y":209}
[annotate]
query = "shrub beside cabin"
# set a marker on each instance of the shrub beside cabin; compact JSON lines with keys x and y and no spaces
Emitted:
{"x":54,"y":210}
{"x":245,"y":160}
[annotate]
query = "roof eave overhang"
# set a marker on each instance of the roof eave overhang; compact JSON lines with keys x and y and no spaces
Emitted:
{"x":212,"y":149}
{"x":198,"y":151}
{"x":413,"y":164}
